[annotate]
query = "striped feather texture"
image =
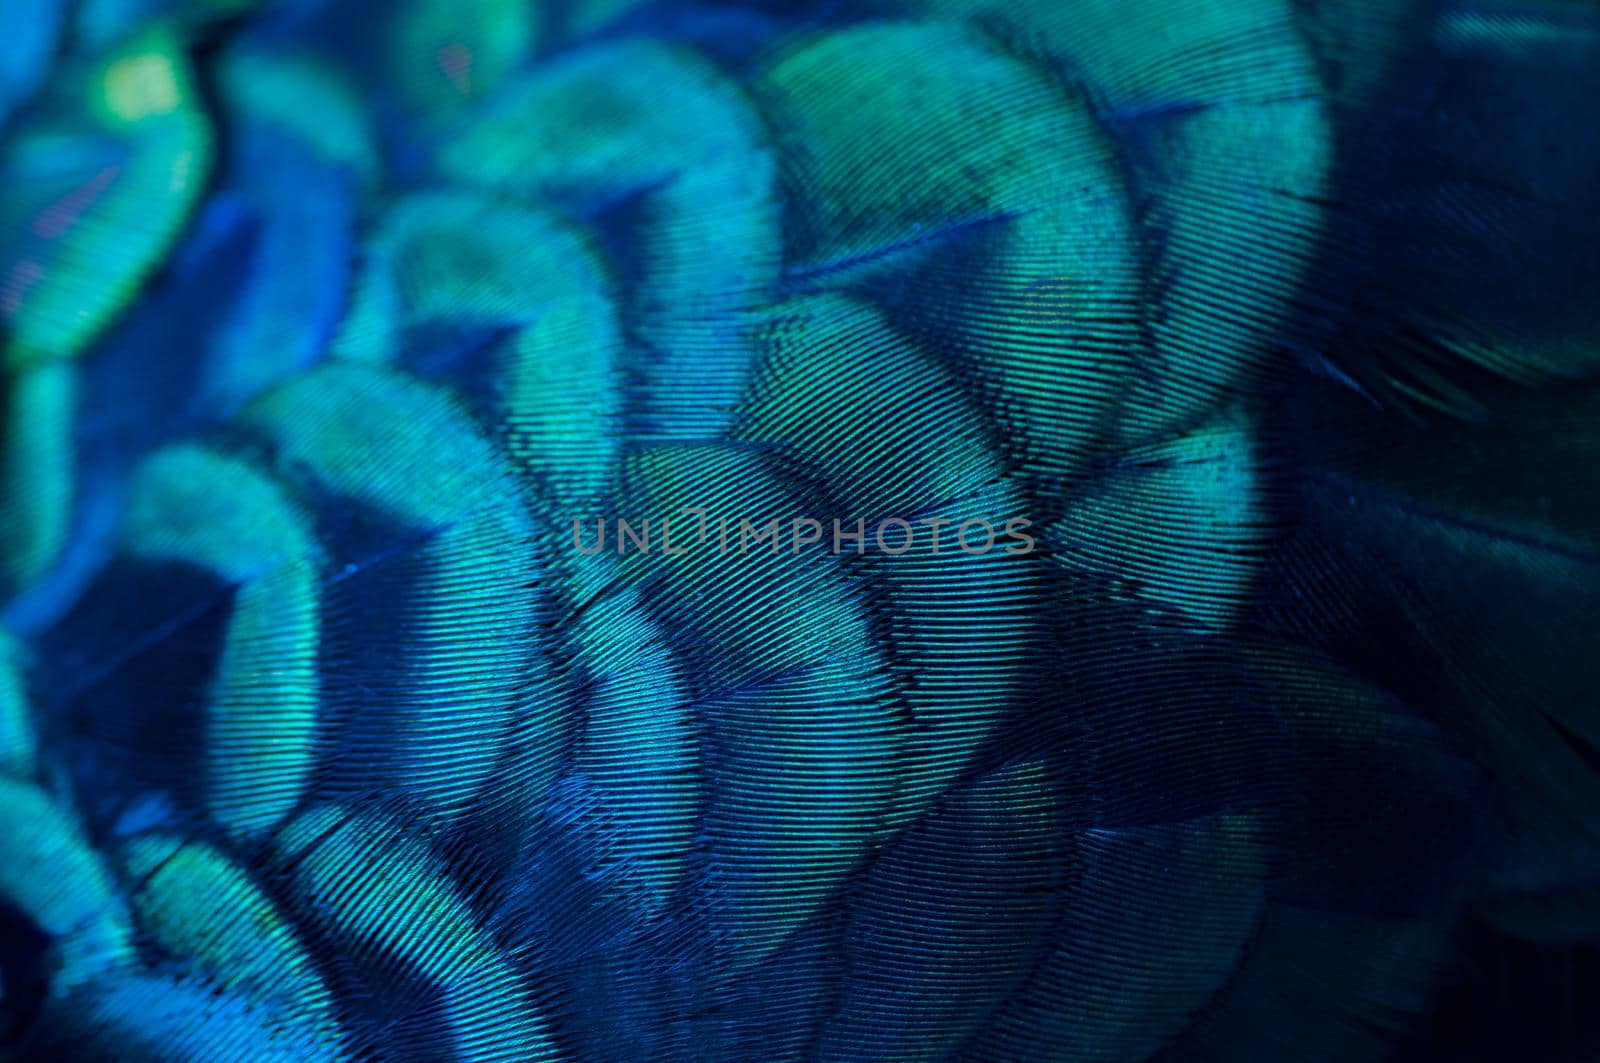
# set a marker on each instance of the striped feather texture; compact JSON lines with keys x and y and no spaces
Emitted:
{"x":749,"y":530}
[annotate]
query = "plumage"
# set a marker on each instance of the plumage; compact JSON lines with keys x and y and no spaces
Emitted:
{"x":727,"y":529}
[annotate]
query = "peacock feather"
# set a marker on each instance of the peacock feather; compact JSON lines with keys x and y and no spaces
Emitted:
{"x":796,"y":530}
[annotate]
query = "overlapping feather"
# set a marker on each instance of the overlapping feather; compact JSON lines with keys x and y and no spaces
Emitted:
{"x":322,"y":737}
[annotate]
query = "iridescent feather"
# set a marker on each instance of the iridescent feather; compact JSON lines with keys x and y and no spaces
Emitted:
{"x":472,"y":478}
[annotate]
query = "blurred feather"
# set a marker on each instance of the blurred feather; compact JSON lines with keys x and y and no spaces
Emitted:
{"x":489,"y":497}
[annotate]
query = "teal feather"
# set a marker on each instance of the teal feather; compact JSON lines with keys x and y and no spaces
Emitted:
{"x":433,"y":445}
